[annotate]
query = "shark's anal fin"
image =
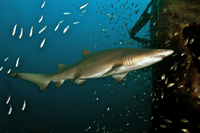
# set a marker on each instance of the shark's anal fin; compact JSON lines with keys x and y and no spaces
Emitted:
{"x":61,"y":66}
{"x":85,"y":52}
{"x":58,"y":83}
{"x":119,"y":77}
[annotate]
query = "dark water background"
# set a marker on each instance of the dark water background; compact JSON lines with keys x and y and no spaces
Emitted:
{"x":71,"y":109}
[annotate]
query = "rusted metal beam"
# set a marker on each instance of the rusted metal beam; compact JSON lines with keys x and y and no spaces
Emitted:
{"x":176,"y":80}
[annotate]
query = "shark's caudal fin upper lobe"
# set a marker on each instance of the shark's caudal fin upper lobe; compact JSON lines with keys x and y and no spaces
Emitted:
{"x":42,"y":80}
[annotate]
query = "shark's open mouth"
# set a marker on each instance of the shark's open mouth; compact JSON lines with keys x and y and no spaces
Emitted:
{"x":160,"y":56}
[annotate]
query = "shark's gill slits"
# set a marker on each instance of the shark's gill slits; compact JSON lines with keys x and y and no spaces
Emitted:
{"x":127,"y":61}
{"x":130,"y":59}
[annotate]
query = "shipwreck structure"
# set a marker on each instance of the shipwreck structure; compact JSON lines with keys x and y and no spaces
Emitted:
{"x":174,"y":24}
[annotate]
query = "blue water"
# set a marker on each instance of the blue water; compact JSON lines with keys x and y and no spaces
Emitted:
{"x":97,"y":106}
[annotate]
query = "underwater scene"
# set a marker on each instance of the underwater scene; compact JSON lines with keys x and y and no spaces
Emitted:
{"x":98,"y":66}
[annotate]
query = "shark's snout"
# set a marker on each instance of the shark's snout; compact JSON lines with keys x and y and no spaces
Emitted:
{"x":169,"y":52}
{"x":164,"y":53}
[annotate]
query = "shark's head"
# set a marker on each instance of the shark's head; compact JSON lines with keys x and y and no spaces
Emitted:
{"x":158,"y":54}
{"x":144,"y":57}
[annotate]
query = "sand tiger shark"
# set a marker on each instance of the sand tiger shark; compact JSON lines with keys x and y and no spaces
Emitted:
{"x":111,"y":62}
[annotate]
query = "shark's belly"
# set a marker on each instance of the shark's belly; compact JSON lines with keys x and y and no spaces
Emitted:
{"x":96,"y":71}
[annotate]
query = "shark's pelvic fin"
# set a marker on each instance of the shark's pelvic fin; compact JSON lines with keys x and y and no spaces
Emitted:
{"x":78,"y":81}
{"x":61,"y":66}
{"x":42,"y":80}
{"x":119,"y":77}
{"x":85,"y":52}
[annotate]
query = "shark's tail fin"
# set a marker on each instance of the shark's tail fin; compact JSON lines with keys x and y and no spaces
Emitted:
{"x":42,"y":80}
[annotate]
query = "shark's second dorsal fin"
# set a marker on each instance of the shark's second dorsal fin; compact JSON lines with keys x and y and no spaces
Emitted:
{"x":85,"y":52}
{"x":60,"y":66}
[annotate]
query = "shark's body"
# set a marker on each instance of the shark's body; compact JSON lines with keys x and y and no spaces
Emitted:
{"x":112,"y":62}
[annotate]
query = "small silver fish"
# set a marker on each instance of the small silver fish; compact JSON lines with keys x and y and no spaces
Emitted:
{"x":168,"y":120}
{"x":95,"y":46}
{"x":66,"y":29}
{"x":76,"y":22}
{"x":191,"y":41}
{"x":176,"y":33}
{"x":61,"y":21}
{"x":17,"y":62}
{"x":185,"y":130}
{"x":41,"y":18}
{"x":43,"y":4}
{"x":67,"y":13}
{"x":14,"y":30}
{"x":170,"y":85}
{"x":21,"y":33}
{"x":42,"y":29}
{"x":42,"y":43}
{"x":83,"y":6}
{"x":180,"y":86}
{"x":186,"y":41}
{"x":58,"y":25}
{"x":1,"y":68}
{"x":163,"y":126}
{"x":31,"y":32}
{"x":8,"y":100}
{"x":83,"y":11}
{"x":166,"y":80}
{"x":8,"y":71}
{"x":6,"y":58}
{"x":184,"y":120}
{"x":163,"y":77}
{"x":24,"y":105}
{"x":10,"y":110}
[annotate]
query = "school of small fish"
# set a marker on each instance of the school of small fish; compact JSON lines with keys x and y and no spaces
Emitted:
{"x":113,"y":19}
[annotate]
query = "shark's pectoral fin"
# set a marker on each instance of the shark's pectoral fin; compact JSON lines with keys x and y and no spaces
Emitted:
{"x":61,"y":66}
{"x":119,"y":77}
{"x":113,"y":70}
{"x":58,"y":83}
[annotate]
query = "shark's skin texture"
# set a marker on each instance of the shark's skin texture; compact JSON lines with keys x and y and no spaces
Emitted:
{"x":111,"y":62}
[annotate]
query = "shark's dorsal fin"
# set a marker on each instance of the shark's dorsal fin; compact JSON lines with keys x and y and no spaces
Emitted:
{"x":60,"y":66}
{"x":85,"y":52}
{"x":119,"y":77}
